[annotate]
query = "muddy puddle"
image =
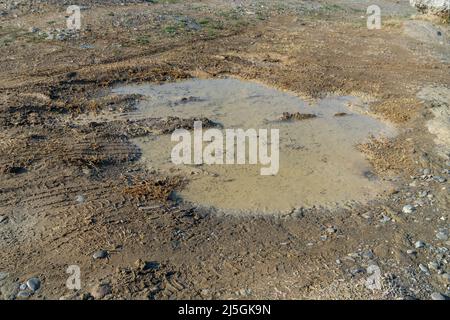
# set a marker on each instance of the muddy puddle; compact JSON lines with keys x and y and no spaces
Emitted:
{"x":318,"y":162}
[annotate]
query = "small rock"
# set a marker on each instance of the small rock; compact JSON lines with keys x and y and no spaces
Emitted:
{"x":368,"y":254}
{"x":3,"y":219}
{"x":423,"y":194}
{"x":331,"y":230}
{"x":438,"y":296}
{"x":23,"y":286}
{"x":80,"y":198}
{"x":23,"y":294}
{"x":424,"y":269}
{"x":440,"y":179}
{"x":408,"y":209}
{"x":101,"y":254}
{"x":419,"y":244}
{"x":34,"y":29}
{"x":411,"y":252}
{"x":357,"y":270}
{"x":324,"y":237}
{"x":87,"y":46}
{"x":426,"y":171}
{"x":101,"y":291}
{"x":34,"y":284}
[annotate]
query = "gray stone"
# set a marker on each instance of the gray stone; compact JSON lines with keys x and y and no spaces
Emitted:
{"x":357,"y":270}
{"x":80,"y":198}
{"x":368,"y":254}
{"x":440,"y":179}
{"x":3,"y":219}
{"x":411,"y":252}
{"x":423,"y":194}
{"x":426,"y":171}
{"x":424,"y":269}
{"x":87,"y":46}
{"x":438,"y":296}
{"x":24,"y":294}
{"x":419,"y":244}
{"x":101,"y":254}
{"x":101,"y":291}
{"x":34,"y":284}
{"x":331,"y":230}
{"x":408,"y":209}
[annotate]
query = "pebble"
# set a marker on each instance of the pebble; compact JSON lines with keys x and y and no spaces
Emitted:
{"x":412,"y":252}
{"x":426,"y":171}
{"x":87,"y":46}
{"x":423,"y":194}
{"x":440,"y":179}
{"x":438,"y":296}
{"x":101,"y":291}
{"x":80,"y":198}
{"x":424,"y":269}
{"x":357,"y":270}
{"x":101,"y":254}
{"x":331,"y":230}
{"x":419,"y":244}
{"x":23,"y":286}
{"x":408,"y":209}
{"x":34,"y":284}
{"x":3,"y":218}
{"x":368,"y":254}
{"x":23,"y":294}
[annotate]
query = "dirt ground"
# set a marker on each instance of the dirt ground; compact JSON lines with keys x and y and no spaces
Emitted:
{"x":68,"y":190}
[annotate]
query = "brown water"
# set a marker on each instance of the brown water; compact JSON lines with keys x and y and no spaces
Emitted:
{"x":319,"y":164}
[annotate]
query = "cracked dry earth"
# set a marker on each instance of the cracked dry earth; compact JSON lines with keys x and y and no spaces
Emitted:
{"x":70,"y":191}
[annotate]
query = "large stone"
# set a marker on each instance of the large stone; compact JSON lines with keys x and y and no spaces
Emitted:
{"x":436,"y":7}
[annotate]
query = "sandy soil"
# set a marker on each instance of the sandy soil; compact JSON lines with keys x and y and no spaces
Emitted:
{"x":70,"y":189}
